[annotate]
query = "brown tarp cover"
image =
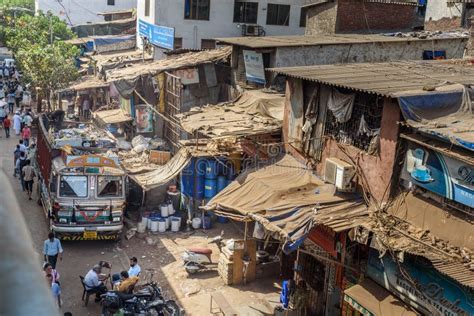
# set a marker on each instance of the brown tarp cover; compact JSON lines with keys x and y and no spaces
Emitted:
{"x":287,"y":199}
{"x":368,"y":296}
{"x":254,"y":112}
{"x":163,"y":174}
{"x":87,"y":82}
{"x":112,"y":116}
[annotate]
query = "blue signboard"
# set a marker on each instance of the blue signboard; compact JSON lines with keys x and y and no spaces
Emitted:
{"x":433,"y":291}
{"x":440,"y":174}
{"x":160,"y":36}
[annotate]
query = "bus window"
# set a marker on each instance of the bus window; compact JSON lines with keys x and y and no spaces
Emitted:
{"x":73,"y":186}
{"x":109,"y":186}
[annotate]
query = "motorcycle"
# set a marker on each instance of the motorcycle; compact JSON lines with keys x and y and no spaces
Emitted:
{"x":199,"y":259}
{"x":146,"y":302}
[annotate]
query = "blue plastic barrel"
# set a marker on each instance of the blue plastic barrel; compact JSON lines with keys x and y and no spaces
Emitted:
{"x":222,"y":219}
{"x":221,"y":183}
{"x":210,"y":188}
{"x":187,"y":178}
{"x":207,"y":224}
{"x":211,"y":169}
{"x":200,"y":187}
{"x":229,"y":181}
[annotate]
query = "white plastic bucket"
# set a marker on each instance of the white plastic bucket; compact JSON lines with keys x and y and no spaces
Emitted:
{"x":164,"y":210}
{"x":141,"y":227}
{"x":162,"y":225}
{"x":145,"y":220}
{"x":154,"y":226}
{"x":148,"y":223}
{"x":171,"y":210}
{"x":196,"y":223}
{"x":168,"y":222}
{"x":175,"y":224}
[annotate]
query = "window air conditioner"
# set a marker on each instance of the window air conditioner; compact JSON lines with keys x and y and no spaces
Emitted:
{"x":339,"y":173}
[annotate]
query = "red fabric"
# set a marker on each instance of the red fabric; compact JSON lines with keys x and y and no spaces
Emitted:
{"x":7,"y":122}
{"x":26,"y":132}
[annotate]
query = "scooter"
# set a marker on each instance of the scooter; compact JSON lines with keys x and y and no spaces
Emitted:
{"x":199,"y":259}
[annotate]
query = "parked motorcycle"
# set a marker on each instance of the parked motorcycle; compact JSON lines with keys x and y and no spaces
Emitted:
{"x":147,"y":302}
{"x":199,"y":259}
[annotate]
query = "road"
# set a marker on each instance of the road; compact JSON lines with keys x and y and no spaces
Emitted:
{"x":78,"y":256}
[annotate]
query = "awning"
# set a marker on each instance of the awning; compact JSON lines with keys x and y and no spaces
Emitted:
{"x":112,"y":116}
{"x":87,"y":82}
{"x":370,"y":299}
{"x":254,"y":112}
{"x":288,"y":200}
{"x":446,"y":115}
{"x":163,"y":174}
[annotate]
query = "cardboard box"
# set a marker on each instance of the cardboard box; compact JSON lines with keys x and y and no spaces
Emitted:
{"x":159,"y":157}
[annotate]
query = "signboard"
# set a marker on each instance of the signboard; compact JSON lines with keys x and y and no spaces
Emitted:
{"x":440,"y":174}
{"x":433,"y":291}
{"x":254,"y":66}
{"x":188,"y":76}
{"x":160,"y":36}
{"x":144,"y":119}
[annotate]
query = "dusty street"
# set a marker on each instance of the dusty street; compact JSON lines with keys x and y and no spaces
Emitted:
{"x":161,"y":253}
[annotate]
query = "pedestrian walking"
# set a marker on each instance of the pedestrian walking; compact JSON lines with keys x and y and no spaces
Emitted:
{"x":55,"y":289}
{"x":26,"y":134}
{"x":52,"y":249}
{"x":48,"y":269}
{"x":29,"y":175}
{"x":17,"y":123}
{"x":11,"y":101}
{"x":6,"y":72}
{"x":16,"y":157}
{"x":21,"y":162}
{"x":18,"y":95}
{"x":6,"y":125}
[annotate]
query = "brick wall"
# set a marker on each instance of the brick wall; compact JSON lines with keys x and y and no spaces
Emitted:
{"x":444,"y":24}
{"x":378,"y":16}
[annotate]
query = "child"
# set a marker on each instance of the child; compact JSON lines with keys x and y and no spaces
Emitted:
{"x":26,"y":134}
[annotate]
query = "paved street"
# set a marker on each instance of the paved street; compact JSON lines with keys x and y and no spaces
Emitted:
{"x":78,"y":256}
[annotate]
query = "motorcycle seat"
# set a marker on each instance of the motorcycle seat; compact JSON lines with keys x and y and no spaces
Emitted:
{"x":201,"y":251}
{"x":126,"y":297}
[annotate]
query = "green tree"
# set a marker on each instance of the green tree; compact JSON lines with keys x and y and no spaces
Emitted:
{"x":8,"y":4}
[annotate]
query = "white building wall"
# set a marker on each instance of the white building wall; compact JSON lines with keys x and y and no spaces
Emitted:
{"x":75,"y":12}
{"x":438,"y":9}
{"x":171,"y":13}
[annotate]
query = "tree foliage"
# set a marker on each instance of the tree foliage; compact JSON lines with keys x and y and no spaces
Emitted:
{"x":27,"y":4}
{"x":37,"y":43}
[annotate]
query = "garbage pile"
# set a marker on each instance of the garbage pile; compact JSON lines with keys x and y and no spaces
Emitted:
{"x":84,"y":136}
{"x":430,"y":34}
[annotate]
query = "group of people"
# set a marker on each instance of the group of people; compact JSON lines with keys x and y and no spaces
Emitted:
{"x":52,"y":250}
{"x":125,"y":281}
{"x":23,"y":167}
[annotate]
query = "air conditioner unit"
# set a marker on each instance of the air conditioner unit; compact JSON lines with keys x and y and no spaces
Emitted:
{"x":339,"y":173}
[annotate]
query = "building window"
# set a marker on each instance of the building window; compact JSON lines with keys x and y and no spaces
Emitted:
{"x":178,"y":42}
{"x":110,"y":2}
{"x":147,"y":7}
{"x":278,"y":14}
{"x":197,"y":9}
{"x":245,"y":12}
{"x":208,"y":44}
{"x":304,"y":11}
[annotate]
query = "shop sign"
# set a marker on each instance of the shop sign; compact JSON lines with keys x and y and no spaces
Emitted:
{"x":429,"y":289}
{"x":254,"y":66}
{"x":440,"y":174}
{"x":188,"y":76}
{"x":355,"y":305}
{"x":144,"y":119}
{"x":325,"y":238}
{"x":161,"y":36}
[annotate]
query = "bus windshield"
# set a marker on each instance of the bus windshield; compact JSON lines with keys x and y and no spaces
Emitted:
{"x":73,"y":186}
{"x":109,"y":186}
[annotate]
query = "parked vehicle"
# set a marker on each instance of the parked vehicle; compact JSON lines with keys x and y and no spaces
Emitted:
{"x":81,"y":189}
{"x":199,"y":259}
{"x":148,"y":301}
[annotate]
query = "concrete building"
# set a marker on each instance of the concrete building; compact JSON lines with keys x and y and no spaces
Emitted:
{"x":448,"y":15}
{"x":291,"y":51}
{"x":75,"y":12}
{"x":354,"y":16}
{"x":198,"y":22}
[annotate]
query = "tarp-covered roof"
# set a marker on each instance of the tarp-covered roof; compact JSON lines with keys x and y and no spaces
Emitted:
{"x":446,"y":115}
{"x":131,"y":72}
{"x":112,"y":116}
{"x":376,"y":300}
{"x":87,"y":82}
{"x":254,"y":112}
{"x":163,"y":174}
{"x":108,"y":61}
{"x":288,"y":200}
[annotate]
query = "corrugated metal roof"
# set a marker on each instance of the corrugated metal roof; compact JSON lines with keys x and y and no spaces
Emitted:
{"x":390,"y":79}
{"x":402,"y":2}
{"x":335,"y":39}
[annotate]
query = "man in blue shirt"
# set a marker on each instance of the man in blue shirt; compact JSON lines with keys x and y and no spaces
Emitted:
{"x":52,"y":249}
{"x":134,"y":268}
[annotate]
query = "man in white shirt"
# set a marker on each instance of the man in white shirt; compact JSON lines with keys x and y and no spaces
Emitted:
{"x":93,"y":283}
{"x":134,"y":268}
